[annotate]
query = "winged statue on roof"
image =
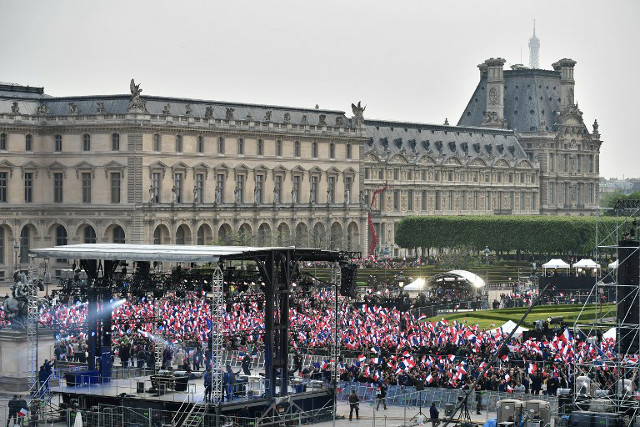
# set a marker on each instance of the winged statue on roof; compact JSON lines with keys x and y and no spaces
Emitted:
{"x":358,"y":113}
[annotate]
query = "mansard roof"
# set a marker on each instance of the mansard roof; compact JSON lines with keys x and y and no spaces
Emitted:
{"x":415,"y":141}
{"x":29,"y":101}
{"x":531,"y":100}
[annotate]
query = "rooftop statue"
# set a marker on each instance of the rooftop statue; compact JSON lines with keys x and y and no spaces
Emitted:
{"x":136,"y":103}
{"x":358,"y":114}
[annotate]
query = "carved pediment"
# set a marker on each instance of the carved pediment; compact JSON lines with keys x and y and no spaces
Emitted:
{"x":398,"y":158}
{"x":241,"y":169}
{"x":57,"y":167}
{"x":85,"y":167}
{"x":221,"y":168}
{"x":525,"y":164}
{"x":333,"y":171}
{"x":280,"y":170}
{"x":30,"y":167}
{"x":371,"y":157}
{"x":315,"y":171}
{"x":478,"y":162}
{"x":453,"y":161}
{"x":349,"y":172}
{"x":7,"y":165}
{"x":114,"y":166}
{"x":261,"y":168}
{"x":501,"y":163}
{"x":426,"y":160}
{"x":200,"y":168}
{"x":298,"y":170}
{"x":179,"y":167}
{"x":156,"y":167}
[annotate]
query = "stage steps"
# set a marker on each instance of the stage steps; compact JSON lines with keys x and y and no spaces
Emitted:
{"x":195,"y":417}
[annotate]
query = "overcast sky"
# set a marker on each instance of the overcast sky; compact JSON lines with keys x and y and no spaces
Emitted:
{"x":406,"y":60}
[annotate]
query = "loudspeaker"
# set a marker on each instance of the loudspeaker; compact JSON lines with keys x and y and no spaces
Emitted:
{"x":349,"y":280}
{"x":628,"y":298}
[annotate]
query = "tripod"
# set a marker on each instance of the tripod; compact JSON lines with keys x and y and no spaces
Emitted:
{"x":465,"y":416}
{"x":420,"y":414}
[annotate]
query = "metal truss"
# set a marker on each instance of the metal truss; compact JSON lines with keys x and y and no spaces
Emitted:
{"x":606,"y":383}
{"x":217,"y":338}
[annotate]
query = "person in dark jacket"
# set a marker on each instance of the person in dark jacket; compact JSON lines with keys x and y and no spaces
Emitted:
{"x":354,"y":405}
{"x":207,"y":385}
{"x":14,"y":408}
{"x":434,"y":414}
{"x":246,"y":363}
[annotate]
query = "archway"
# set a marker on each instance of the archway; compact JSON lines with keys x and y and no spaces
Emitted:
{"x":246,"y":235}
{"x":302,"y":235}
{"x":225,"y":234}
{"x":204,"y":235}
{"x":284,"y":234}
{"x":183,"y":235}
{"x":319,"y":237}
{"x":335,"y":239}
{"x":264,"y":234}
{"x":353,"y":236}
{"x":161,"y":235}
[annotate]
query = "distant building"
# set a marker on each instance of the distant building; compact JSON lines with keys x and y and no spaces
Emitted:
{"x":151,"y":169}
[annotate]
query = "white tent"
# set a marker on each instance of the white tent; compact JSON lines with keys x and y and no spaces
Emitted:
{"x":613,"y":265}
{"x":507,"y":328}
{"x":417,"y":285}
{"x":556,"y":263}
{"x":586,"y":263}
{"x":610,"y":334}
{"x":475,"y":280}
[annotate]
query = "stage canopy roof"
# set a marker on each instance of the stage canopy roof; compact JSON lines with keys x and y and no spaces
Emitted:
{"x":556,"y":263}
{"x":586,"y":263}
{"x":473,"y":279}
{"x":173,"y":253}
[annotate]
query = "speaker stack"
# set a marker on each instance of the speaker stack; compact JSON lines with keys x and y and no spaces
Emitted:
{"x":628,"y":314}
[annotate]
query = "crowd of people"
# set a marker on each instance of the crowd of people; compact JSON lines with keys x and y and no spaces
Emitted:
{"x":380,"y":343}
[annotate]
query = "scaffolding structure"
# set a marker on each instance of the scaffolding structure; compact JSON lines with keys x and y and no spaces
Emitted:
{"x":607,"y":382}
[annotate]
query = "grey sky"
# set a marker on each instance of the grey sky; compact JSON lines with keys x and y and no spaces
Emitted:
{"x":406,"y":60}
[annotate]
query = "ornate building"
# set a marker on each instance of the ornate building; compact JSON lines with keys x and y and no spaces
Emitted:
{"x":163,"y":170}
{"x":539,"y":106}
{"x":159,"y":170}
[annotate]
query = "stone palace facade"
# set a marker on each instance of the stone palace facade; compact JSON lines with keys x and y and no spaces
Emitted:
{"x":149,"y":169}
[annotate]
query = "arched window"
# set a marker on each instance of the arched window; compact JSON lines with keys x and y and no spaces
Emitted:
{"x":157,"y":236}
{"x":201,"y":235}
{"x":118,"y":234}
{"x":61,"y":239}
{"x":180,"y":236}
{"x":89,"y":234}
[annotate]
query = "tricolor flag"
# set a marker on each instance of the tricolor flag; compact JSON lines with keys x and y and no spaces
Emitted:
{"x":23,"y":412}
{"x":532,"y":368}
{"x":361,"y":358}
{"x":429,"y":379}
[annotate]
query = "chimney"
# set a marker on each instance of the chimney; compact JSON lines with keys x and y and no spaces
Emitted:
{"x":495,"y":88}
{"x":565,"y":66}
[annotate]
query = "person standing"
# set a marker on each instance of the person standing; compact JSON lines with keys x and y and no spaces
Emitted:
{"x":434,"y":414}
{"x":14,"y":407}
{"x":207,"y":385}
{"x":354,"y":405}
{"x":382,"y":396}
{"x":246,"y":363}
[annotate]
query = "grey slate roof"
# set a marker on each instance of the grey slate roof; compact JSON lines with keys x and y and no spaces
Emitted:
{"x":118,"y":104}
{"x":414,"y":140}
{"x":531,"y":100}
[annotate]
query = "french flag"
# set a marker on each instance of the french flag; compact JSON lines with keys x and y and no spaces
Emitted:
{"x":23,"y":412}
{"x":566,"y":336}
{"x":429,"y":379}
{"x":361,"y":358}
{"x":532,"y":368}
{"x":451,"y":357}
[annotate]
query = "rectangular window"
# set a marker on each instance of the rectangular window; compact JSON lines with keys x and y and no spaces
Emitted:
{"x":314,"y":150}
{"x":511,"y":200}
{"x":410,"y":175}
{"x":450,"y":200}
{"x":156,"y":142}
{"x":28,"y":142}
{"x":155,"y":187}
{"x":410,"y":200}
{"x":86,"y":187}
{"x":295,"y":190}
{"x":86,"y":142}
{"x":521,"y":201}
{"x":240,"y":146}
{"x":366,"y":173}
{"x":423,"y":175}
{"x":3,"y":187}
{"x":424,"y":200}
{"x":279,"y":148}
{"x":566,"y":162}
{"x":220,"y":145}
{"x":177,"y":187}
{"x":579,"y":194}
{"x":487,"y":202}
{"x":437,"y":176}
{"x":464,"y":200}
{"x":239,"y":189}
{"x":199,"y":189}
{"x":579,"y":163}
{"x":277,"y":189}
{"x":57,"y":187}
{"x":296,"y":149}
{"x":178,"y":143}
{"x":331,"y":189}
{"x":313,"y":197}
{"x":332,"y":150}
{"x":396,"y":199}
{"x":381,"y":174}
{"x":565,"y":194}
{"x":552,"y":162}
{"x":450,"y":176}
{"x":260,"y":148}
{"x":590,"y":163}
{"x":115,"y":187}
{"x":115,"y":142}
{"x":58,"y":144}
{"x":259,"y":189}
{"x":396,"y":174}
{"x":534,"y":202}
{"x":3,"y":141}
{"x":475,"y":200}
{"x":200,"y":144}
{"x":552,"y":193}
{"x":348,"y":151}
{"x":220,"y":188}
{"x":28,"y":187}
{"x":438,"y":200}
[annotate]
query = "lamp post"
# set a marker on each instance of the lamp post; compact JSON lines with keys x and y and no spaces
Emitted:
{"x":486,"y":252}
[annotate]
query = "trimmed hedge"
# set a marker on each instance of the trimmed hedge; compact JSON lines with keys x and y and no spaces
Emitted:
{"x":529,"y":234}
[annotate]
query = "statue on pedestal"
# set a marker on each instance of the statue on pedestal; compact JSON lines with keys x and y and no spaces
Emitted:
{"x":136,"y":103}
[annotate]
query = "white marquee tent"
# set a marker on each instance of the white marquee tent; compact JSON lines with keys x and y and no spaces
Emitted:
{"x":586,"y":263}
{"x":556,"y":263}
{"x":507,"y":328}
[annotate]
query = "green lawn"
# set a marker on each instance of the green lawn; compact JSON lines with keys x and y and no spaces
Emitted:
{"x":488,"y":319}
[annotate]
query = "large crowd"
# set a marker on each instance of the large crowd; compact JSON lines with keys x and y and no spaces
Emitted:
{"x":380,"y":343}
